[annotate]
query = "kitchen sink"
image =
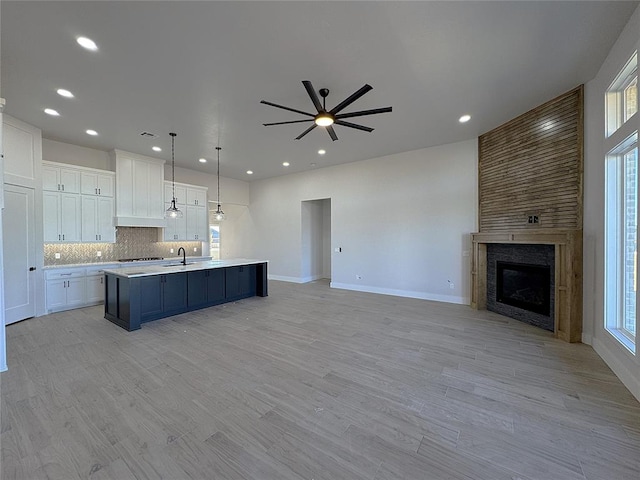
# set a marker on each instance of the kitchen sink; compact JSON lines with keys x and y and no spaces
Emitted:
{"x":179,"y":264}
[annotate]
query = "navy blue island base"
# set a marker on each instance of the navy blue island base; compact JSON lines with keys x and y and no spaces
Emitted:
{"x":134,"y":296}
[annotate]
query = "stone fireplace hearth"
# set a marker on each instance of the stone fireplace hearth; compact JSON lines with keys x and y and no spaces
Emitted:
{"x":560,"y":250}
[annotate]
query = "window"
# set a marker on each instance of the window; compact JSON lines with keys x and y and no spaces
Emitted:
{"x":214,"y":242}
{"x":621,"y":99}
{"x":621,"y":241}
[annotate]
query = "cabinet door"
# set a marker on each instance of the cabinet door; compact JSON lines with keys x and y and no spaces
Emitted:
{"x":105,"y":185}
{"x":215,"y":285}
{"x":106,"y":230}
{"x":155,"y":191}
{"x":56,"y":294}
{"x":95,"y":289}
{"x":70,"y":217}
{"x":50,"y":178}
{"x":89,"y":230}
{"x":192,"y":222}
{"x":247,"y":280}
{"x":181,"y":195}
{"x":69,"y":180}
{"x":175,"y":293}
{"x":75,"y":292}
{"x":231,"y":282}
{"x":51,"y":217}
{"x":176,"y":228}
{"x":197,"y":288}
{"x":89,"y":183}
{"x":150,"y":297}
{"x":196,"y":196}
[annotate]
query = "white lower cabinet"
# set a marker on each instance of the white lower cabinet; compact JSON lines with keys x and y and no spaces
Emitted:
{"x":74,"y":287}
{"x":65,"y":289}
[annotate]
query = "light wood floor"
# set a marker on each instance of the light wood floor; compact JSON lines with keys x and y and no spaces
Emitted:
{"x":311,"y":383}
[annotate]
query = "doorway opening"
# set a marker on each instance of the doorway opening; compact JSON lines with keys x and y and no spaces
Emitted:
{"x":316,"y":240}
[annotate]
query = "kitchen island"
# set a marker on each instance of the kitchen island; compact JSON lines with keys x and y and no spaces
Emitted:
{"x":140,"y":294}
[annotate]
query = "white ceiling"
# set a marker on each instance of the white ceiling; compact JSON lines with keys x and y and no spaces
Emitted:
{"x":201,"y":68}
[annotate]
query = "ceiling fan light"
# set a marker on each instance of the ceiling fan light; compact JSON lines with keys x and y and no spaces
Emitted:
{"x":324,"y":119}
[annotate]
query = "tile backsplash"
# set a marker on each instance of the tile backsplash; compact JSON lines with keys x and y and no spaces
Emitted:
{"x":131,"y":242}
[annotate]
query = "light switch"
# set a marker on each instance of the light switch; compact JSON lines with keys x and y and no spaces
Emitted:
{"x":57,"y":255}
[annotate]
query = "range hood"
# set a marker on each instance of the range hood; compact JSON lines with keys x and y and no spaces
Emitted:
{"x":139,"y":190}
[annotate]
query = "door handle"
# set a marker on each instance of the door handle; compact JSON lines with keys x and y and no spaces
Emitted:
{"x":31,"y":269}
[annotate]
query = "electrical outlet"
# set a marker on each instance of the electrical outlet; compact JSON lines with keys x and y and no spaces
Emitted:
{"x":451,"y":285}
{"x":358,"y":277}
{"x":465,"y":253}
{"x":57,"y":255}
{"x":171,"y":250}
{"x":195,"y":249}
{"x":98,"y":253}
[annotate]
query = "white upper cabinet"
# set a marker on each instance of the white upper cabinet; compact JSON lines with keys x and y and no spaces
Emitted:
{"x":181,"y":193}
{"x":192,"y":201}
{"x":100,"y":184}
{"x":197,"y":197}
{"x":139,"y":190}
{"x":97,"y":219}
{"x":62,"y":217}
{"x":59,"y":178}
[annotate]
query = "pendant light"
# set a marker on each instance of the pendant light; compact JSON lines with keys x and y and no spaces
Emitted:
{"x":218,"y":215}
{"x":173,"y":211}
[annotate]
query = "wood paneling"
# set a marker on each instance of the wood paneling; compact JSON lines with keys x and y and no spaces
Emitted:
{"x":533,"y":165}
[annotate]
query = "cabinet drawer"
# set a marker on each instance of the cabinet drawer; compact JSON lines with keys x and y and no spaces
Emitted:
{"x":64,"y":273}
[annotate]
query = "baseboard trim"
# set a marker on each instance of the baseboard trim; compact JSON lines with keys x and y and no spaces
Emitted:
{"x":587,"y":338}
{"x":402,"y":293}
{"x":626,"y":376}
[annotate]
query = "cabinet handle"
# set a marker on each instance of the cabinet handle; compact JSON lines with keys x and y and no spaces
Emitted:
{"x":95,"y":190}
{"x":31,"y":269}
{"x":100,"y":237}
{"x":63,"y":236}
{"x":59,"y":238}
{"x":63,"y":187}
{"x":101,"y":280}
{"x":99,"y":192}
{"x":58,"y":186}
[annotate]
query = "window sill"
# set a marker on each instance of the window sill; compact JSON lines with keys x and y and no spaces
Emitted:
{"x":623,"y":338}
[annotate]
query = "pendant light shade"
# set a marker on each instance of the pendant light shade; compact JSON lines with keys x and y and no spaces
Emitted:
{"x":173,"y":211}
{"x":218,"y":215}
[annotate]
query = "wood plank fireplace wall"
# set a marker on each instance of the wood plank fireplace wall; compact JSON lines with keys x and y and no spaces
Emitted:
{"x":530,"y":175}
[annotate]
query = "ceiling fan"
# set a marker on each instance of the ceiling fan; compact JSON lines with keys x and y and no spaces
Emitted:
{"x":327,"y":118}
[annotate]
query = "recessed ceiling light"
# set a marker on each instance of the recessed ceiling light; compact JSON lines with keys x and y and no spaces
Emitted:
{"x":52,"y":112}
{"x":64,"y":93}
{"x":249,"y":172}
{"x":156,"y":149}
{"x":92,"y":132}
{"x":87,"y":43}
{"x":285,"y":164}
{"x":464,"y":118}
{"x":313,"y":164}
{"x":321,"y":152}
{"x":202,"y":160}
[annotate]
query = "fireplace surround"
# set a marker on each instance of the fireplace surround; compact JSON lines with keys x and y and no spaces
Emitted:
{"x":566,"y":273}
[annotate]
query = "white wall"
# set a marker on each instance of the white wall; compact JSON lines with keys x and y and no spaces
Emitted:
{"x":54,"y":151}
{"x":621,"y":361}
{"x":403,"y":221}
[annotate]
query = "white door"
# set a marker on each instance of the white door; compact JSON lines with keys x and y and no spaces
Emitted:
{"x":19,"y":253}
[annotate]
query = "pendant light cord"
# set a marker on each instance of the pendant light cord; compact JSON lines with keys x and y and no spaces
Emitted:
{"x":218,"y":149}
{"x":173,"y":167}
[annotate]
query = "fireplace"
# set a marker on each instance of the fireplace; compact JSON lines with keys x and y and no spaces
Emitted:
{"x":524,"y":286}
{"x":521,"y":284}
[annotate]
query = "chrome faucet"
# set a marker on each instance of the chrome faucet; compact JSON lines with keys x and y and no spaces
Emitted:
{"x":184,"y":255}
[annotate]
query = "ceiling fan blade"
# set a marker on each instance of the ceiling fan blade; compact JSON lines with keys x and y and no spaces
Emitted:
{"x":284,"y":123}
{"x":353,"y":125}
{"x":314,"y":96}
{"x":287,"y":108}
{"x":364,"y":112}
{"x":306,"y":131}
{"x":350,"y":99}
{"x":332,"y":133}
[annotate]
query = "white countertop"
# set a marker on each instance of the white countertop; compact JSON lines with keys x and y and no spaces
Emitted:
{"x":149,"y":270}
{"x":127,"y":264}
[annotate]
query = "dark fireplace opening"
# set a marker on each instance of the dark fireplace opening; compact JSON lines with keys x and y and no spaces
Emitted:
{"x":524,"y":286}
